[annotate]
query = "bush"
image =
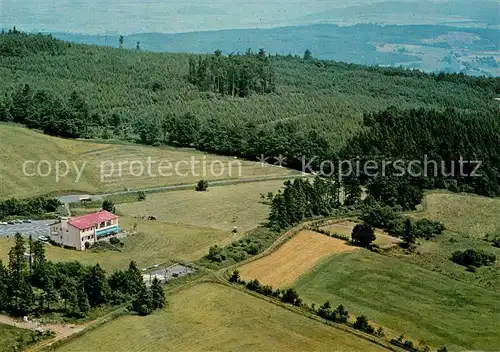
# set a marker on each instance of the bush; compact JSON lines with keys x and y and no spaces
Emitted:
{"x":382,"y":217}
{"x":141,"y":195}
{"x":115,"y":241}
{"x":473,"y":258}
{"x":108,"y":206}
{"x":427,"y":228}
{"x":253,"y":285}
{"x":494,"y":239}
{"x":363,"y":234}
{"x":363,"y":325}
{"x":235,"y":277}
{"x":216,"y":254}
{"x":202,"y":185}
{"x":291,"y":296}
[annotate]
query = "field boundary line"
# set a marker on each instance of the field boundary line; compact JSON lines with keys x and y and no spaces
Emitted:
{"x":311,"y":316}
{"x":282,"y":239}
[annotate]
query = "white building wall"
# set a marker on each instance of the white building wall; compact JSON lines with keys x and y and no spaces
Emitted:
{"x":67,"y":235}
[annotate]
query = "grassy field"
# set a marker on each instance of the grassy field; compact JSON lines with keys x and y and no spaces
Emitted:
{"x":155,"y":242}
{"x":345,"y":228}
{"x":20,"y":145}
{"x":422,"y":304}
{"x":468,"y":214}
{"x":101,"y":165}
{"x":10,"y":336}
{"x":296,"y":257}
{"x":209,"y":317}
{"x":221,"y":207}
{"x":467,"y":218}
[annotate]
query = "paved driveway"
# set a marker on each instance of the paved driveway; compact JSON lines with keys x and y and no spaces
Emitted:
{"x":36,"y":228}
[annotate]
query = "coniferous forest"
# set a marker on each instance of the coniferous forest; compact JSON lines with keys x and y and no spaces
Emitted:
{"x":255,"y":104}
{"x":30,"y":284}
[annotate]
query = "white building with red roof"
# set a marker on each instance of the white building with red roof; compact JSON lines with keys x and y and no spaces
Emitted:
{"x":75,"y":232}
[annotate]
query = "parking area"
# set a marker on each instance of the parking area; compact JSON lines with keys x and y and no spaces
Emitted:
{"x":165,"y":275}
{"x":36,"y":228}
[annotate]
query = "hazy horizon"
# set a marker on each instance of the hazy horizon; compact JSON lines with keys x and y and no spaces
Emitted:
{"x":161,"y":16}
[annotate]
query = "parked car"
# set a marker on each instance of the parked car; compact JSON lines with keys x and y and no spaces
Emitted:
{"x":17,"y":221}
{"x":10,"y":222}
{"x":27,"y":221}
{"x":43,"y":238}
{"x":3,"y":223}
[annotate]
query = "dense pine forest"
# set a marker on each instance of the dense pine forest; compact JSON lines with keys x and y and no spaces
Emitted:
{"x":235,"y":75}
{"x":253,"y":103}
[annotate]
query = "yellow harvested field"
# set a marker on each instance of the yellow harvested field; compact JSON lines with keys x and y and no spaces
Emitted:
{"x":296,"y":257}
{"x":345,"y":228}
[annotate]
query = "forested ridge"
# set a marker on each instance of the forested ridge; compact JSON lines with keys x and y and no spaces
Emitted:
{"x":252,"y":104}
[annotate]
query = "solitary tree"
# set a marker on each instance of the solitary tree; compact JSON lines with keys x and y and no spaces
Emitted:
{"x":202,"y":185}
{"x":235,"y":277}
{"x":307,"y":54}
{"x":138,"y":45}
{"x":121,"y":40}
{"x":109,"y":206}
{"x":363,"y":234}
{"x":141,"y":195}
{"x":408,"y":236}
{"x":363,"y":325}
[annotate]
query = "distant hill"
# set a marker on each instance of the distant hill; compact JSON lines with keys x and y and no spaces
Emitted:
{"x":427,"y":47}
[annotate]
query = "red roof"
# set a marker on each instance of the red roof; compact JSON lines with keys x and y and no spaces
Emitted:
{"x":86,"y":221}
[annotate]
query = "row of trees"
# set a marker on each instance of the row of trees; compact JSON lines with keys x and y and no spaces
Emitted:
{"x":302,"y":199}
{"x":51,"y":114}
{"x":392,"y":220}
{"x":28,"y":207}
{"x":30,"y":284}
{"x":234,"y":75}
